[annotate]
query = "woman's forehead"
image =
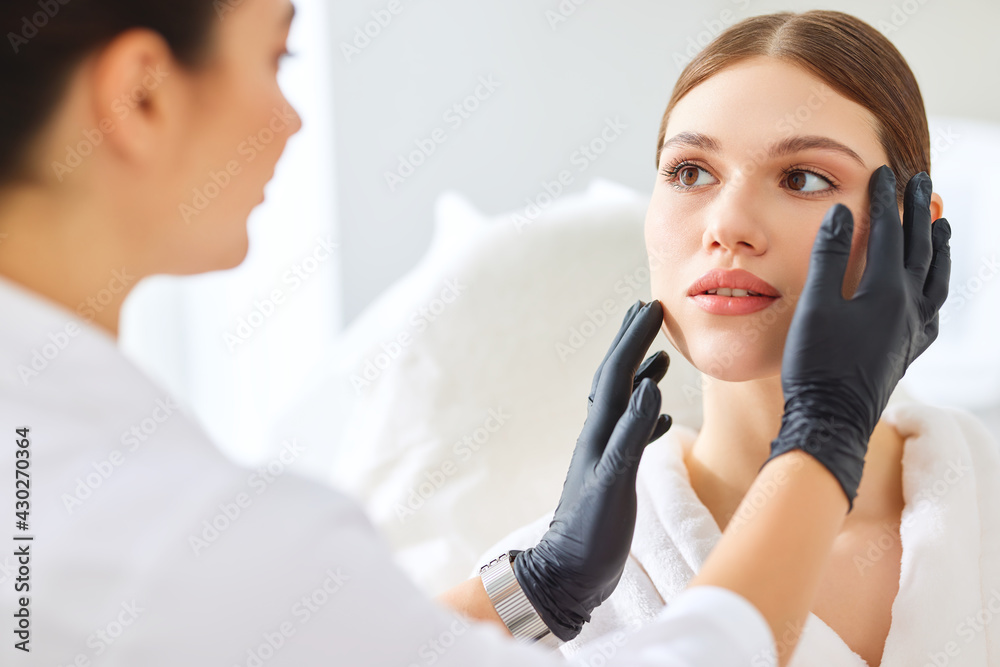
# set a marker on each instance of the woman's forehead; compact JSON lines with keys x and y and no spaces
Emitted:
{"x":759,"y":103}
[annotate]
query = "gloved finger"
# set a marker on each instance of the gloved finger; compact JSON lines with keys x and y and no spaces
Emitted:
{"x":615,"y":386}
{"x":830,"y":255}
{"x":626,"y":321}
{"x":917,"y":245}
{"x":631,"y":434}
{"x":616,"y":379}
{"x":663,"y":425}
{"x":885,"y":243}
{"x":939,"y":274}
{"x":655,"y":368}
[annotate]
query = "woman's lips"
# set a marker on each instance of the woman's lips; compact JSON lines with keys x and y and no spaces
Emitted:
{"x":732,"y":305}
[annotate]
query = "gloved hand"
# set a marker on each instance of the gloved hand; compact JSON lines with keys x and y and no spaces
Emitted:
{"x":843,"y":358}
{"x":578,"y":562}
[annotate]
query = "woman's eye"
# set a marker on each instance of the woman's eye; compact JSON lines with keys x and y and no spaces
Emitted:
{"x":690,"y":176}
{"x":805,"y":181}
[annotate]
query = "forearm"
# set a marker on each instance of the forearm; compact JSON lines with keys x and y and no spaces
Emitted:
{"x":470,"y":599}
{"x":776,"y":548}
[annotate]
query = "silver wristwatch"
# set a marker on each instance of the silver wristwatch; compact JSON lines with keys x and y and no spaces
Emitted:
{"x":512,"y":605}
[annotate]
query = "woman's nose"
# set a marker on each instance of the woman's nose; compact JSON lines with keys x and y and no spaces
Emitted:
{"x":734,"y":222}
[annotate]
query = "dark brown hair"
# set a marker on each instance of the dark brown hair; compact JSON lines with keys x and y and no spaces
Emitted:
{"x":844,"y":52}
{"x":43,"y":41}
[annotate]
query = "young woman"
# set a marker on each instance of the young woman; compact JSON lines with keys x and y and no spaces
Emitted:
{"x":777,"y":119}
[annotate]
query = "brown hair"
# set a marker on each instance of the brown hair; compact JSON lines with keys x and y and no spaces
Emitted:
{"x":844,"y":52}
{"x":46,"y":39}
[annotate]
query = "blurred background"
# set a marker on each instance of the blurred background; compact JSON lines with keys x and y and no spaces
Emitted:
{"x":429,"y":128}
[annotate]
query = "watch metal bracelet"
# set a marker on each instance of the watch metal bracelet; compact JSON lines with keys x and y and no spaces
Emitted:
{"x":512,"y":605}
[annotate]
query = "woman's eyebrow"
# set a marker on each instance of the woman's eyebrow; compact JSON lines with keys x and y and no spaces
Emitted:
{"x":784,"y":147}
{"x":693,"y":140}
{"x":807,"y":142}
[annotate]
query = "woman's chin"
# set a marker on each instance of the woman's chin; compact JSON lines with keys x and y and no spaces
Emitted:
{"x":732,"y":364}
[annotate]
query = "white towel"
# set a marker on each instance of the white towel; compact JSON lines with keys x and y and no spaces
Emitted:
{"x":947,"y":610}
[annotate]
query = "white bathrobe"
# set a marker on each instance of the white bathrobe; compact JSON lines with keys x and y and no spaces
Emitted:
{"x":947,"y":610}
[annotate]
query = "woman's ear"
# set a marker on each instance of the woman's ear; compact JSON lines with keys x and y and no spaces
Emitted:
{"x":937,"y":206}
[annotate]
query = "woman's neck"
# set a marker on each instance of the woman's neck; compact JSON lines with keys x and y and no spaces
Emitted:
{"x":740,"y":421}
{"x":65,"y":253}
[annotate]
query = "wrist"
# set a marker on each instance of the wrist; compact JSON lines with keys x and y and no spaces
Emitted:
{"x":837,"y":443}
{"x":561,"y":612}
{"x":513,"y":607}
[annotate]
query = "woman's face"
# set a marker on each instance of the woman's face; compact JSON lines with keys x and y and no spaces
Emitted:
{"x":752,"y":159}
{"x":233,"y":123}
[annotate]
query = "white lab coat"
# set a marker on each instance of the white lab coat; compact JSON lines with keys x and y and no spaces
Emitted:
{"x":150,"y":548}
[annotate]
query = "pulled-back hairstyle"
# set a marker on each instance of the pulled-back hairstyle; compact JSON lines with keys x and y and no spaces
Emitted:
{"x":844,"y":52}
{"x":43,"y":41}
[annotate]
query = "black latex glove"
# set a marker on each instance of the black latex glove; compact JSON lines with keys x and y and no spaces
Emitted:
{"x":578,"y":562}
{"x":843,"y":358}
